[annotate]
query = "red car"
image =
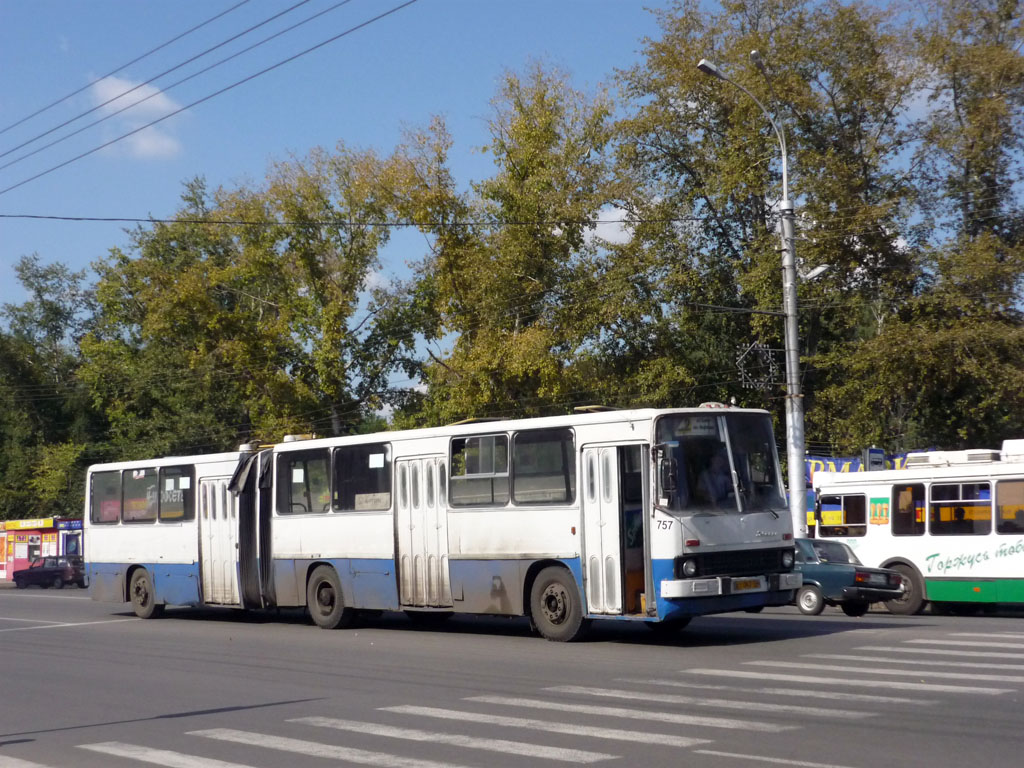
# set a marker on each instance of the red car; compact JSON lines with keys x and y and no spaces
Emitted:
{"x":52,"y":572}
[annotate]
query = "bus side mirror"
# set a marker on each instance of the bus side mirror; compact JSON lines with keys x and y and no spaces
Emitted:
{"x":667,"y":469}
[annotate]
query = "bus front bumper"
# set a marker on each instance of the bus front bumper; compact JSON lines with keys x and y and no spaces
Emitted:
{"x":730,"y":585}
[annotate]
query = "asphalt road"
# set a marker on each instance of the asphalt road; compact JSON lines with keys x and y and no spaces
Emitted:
{"x":88,"y":684}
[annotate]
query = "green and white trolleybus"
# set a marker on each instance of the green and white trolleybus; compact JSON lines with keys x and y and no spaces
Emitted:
{"x":952,"y":522}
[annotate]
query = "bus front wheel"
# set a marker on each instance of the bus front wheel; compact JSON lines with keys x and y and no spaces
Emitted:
{"x":912,"y":601}
{"x":143,"y":598}
{"x":555,"y":606}
{"x":325,"y":601}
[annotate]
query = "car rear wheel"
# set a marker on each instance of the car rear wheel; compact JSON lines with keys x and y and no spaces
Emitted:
{"x":58,"y":583}
{"x":809,"y":600}
{"x":912,"y":601}
{"x":855,"y":608}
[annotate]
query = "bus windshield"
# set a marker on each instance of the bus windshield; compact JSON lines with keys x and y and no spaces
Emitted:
{"x":718,"y":463}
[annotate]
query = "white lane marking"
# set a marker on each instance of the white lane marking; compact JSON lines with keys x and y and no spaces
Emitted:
{"x":892,"y":684}
{"x":749,"y":707}
{"x":158,"y":756}
{"x":31,"y":621}
{"x":550,"y":726}
{"x":773,"y":760}
{"x":967,"y":644}
{"x":69,"y":624}
{"x":316,"y":749}
{"x":917,"y":662}
{"x":635,"y":714}
{"x":903,"y":672}
{"x":1007,"y":635}
{"x":943,"y":652}
{"x":458,"y":740}
{"x":802,"y":693}
{"x":13,"y":762}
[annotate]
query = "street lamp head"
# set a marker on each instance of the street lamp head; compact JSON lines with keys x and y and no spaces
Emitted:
{"x":709,"y":68}
{"x":755,"y":56}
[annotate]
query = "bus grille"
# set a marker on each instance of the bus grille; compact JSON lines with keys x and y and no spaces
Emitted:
{"x":745,"y":562}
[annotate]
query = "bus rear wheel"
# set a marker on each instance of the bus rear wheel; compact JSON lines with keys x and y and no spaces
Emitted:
{"x":912,"y":601}
{"x":325,"y":601}
{"x":555,"y":606}
{"x":142,"y":596}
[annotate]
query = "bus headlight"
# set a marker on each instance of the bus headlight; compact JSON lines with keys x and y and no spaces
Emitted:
{"x":689,"y":568}
{"x":787,"y":559}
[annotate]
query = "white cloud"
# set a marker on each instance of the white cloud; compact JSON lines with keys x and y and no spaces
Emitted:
{"x":612,"y":227}
{"x":130,"y":107}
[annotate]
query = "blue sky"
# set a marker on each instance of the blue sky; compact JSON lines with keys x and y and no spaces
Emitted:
{"x":443,"y":57}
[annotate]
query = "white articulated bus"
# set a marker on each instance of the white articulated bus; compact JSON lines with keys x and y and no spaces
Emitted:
{"x":648,"y":515}
{"x":952,"y":522}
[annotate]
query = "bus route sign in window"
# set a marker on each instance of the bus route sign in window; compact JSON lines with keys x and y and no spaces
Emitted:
{"x":177,"y":494}
{"x":105,"y":497}
{"x":362,"y":478}
{"x":479,"y":467}
{"x":303,"y":481}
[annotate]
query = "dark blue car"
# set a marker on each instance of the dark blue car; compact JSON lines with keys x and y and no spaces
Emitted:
{"x":834,"y":576}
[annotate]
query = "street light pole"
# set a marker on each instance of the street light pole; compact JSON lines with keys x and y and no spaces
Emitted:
{"x":795,"y":442}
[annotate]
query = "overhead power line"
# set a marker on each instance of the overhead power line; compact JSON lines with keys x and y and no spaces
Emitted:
{"x":140,"y":85}
{"x":175,"y":84}
{"x":123,"y":66}
{"x":244,"y":80}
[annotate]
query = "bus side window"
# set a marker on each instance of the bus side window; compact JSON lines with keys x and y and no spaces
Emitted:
{"x":105,"y":497}
{"x":303,"y":482}
{"x":843,"y":515}
{"x":1010,"y":506}
{"x":907,"y":510}
{"x":362,"y":478}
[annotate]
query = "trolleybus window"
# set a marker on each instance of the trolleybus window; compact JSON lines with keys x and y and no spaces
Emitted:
{"x":843,"y":515}
{"x":908,"y":510}
{"x":105,"y":501}
{"x":479,"y":471}
{"x":141,"y":495}
{"x":959,"y":509}
{"x":543,"y":467}
{"x":362,"y":478}
{"x":1010,"y":506}
{"x":303,"y":482}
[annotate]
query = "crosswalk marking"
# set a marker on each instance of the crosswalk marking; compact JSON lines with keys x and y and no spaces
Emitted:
{"x":943,"y":652}
{"x":802,"y":693}
{"x":316,"y":749}
{"x":158,"y":756}
{"x":13,"y":762}
{"x":549,"y":726}
{"x":746,"y":706}
{"x":915,"y":662}
{"x":967,"y":643}
{"x":905,"y":672}
{"x":763,"y":759}
{"x":634,"y":714}
{"x":458,"y":740}
{"x":892,"y":684}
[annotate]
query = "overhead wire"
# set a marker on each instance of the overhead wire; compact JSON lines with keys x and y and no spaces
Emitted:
{"x":210,"y":96}
{"x":124,"y":66}
{"x":167,"y":88}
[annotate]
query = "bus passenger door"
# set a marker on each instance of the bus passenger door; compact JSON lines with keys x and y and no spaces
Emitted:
{"x":421,"y":525}
{"x":218,"y":542}
{"x":602,"y":530}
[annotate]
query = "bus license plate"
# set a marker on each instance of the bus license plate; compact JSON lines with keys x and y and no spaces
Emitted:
{"x":745,"y":585}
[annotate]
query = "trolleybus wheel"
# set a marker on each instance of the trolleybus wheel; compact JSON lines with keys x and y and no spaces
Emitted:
{"x":809,"y":600}
{"x":143,"y":599}
{"x":912,"y":601}
{"x":325,"y":601}
{"x":555,"y":606}
{"x":855,"y":607}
